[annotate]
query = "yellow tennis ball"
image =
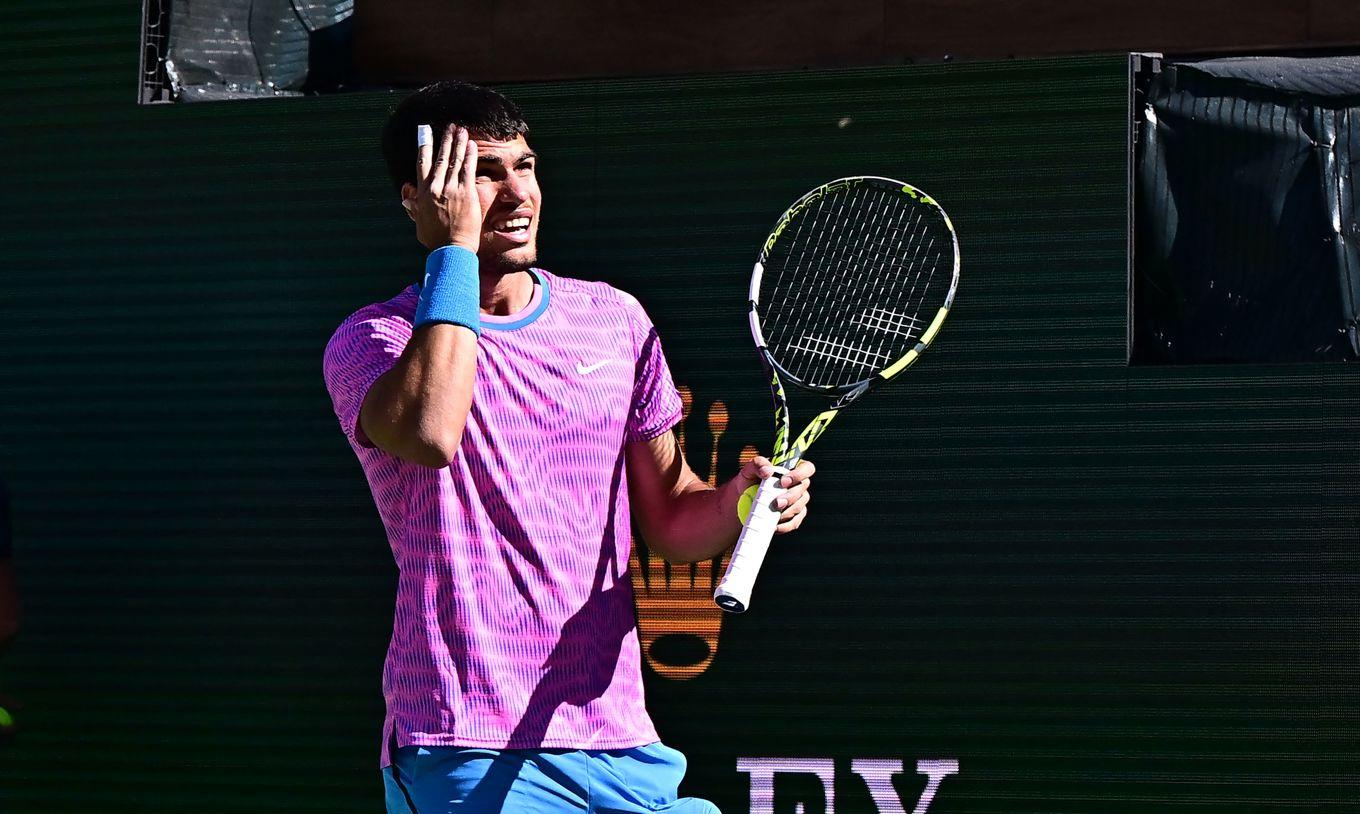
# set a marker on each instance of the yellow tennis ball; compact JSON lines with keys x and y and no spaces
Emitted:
{"x":744,"y":503}
{"x":6,"y":720}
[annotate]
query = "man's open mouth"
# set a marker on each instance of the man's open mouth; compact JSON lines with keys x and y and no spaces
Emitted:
{"x":515,"y":227}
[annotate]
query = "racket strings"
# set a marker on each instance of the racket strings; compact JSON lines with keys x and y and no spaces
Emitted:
{"x":805,"y":268}
{"x":891,"y":326}
{"x":852,"y":283}
{"x":825,"y":268}
{"x":918,"y":259}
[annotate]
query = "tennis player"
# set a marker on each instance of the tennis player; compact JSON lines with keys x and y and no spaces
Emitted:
{"x":510,"y":423}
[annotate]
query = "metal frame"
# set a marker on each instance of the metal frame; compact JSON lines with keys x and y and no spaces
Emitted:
{"x":153,"y":80}
{"x":1142,"y":68}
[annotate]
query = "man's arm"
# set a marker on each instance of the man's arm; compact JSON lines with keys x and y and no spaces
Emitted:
{"x":417,"y":410}
{"x":682,"y":518}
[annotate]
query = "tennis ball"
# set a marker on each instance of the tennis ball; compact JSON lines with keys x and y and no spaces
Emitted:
{"x":744,"y":503}
{"x":6,"y":720}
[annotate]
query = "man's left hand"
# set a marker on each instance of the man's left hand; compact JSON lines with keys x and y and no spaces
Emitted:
{"x":794,"y":501}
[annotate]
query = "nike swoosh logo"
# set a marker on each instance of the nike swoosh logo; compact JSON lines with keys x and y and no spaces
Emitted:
{"x":585,"y":370}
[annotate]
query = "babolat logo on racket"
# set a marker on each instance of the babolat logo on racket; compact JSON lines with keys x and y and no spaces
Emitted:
{"x":806,"y":201}
{"x":843,"y":185}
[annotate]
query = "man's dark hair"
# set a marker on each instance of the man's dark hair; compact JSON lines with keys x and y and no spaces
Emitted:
{"x":483,"y":111}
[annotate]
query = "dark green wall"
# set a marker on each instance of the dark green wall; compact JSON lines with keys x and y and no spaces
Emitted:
{"x":1101,"y":589}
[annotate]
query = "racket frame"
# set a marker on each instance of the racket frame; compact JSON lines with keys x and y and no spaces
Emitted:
{"x":733,"y":593}
{"x":789,"y":454}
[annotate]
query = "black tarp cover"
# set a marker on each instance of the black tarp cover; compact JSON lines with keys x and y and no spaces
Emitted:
{"x":1246,"y":231}
{"x":232,"y":49}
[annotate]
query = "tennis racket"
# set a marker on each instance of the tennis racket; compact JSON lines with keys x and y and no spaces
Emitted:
{"x":851,"y":287}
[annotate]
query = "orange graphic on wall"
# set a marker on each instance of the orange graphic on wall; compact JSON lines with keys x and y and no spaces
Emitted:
{"x":678,"y":623}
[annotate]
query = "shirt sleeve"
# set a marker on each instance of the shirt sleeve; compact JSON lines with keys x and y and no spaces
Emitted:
{"x":364,"y":347}
{"x":656,"y":404}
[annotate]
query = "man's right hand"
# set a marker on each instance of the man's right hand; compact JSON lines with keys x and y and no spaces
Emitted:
{"x":446,"y":208}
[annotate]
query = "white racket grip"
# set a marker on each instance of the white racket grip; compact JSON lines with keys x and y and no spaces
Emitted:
{"x":734,"y":591}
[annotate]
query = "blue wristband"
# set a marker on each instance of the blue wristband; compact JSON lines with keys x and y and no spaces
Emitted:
{"x":452,"y":290}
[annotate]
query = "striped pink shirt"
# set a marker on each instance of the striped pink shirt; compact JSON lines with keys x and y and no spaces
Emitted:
{"x":514,"y":624}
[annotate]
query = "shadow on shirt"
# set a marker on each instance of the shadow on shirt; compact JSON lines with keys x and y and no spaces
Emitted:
{"x":582,"y":664}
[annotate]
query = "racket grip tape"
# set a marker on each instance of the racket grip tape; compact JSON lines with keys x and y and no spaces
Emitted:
{"x":734,"y":591}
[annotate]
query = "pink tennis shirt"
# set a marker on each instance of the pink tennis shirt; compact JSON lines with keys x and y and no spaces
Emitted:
{"x":514,"y":624}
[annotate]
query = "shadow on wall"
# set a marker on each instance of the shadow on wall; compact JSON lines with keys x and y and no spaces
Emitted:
{"x":678,"y":622}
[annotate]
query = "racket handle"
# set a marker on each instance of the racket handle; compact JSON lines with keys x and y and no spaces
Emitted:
{"x":734,"y":591}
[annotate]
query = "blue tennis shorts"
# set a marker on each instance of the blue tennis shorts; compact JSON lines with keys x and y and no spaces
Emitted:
{"x":454,"y":780}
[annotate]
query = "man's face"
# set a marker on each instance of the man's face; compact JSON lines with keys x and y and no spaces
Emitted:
{"x":511,"y":201}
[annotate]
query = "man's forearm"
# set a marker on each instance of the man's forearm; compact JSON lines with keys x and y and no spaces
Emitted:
{"x":417,"y":409}
{"x":701,"y":523}
{"x":682,"y":518}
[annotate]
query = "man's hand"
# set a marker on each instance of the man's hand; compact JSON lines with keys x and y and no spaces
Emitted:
{"x":682,"y":518}
{"x":445,"y":206}
{"x":794,"y":501}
